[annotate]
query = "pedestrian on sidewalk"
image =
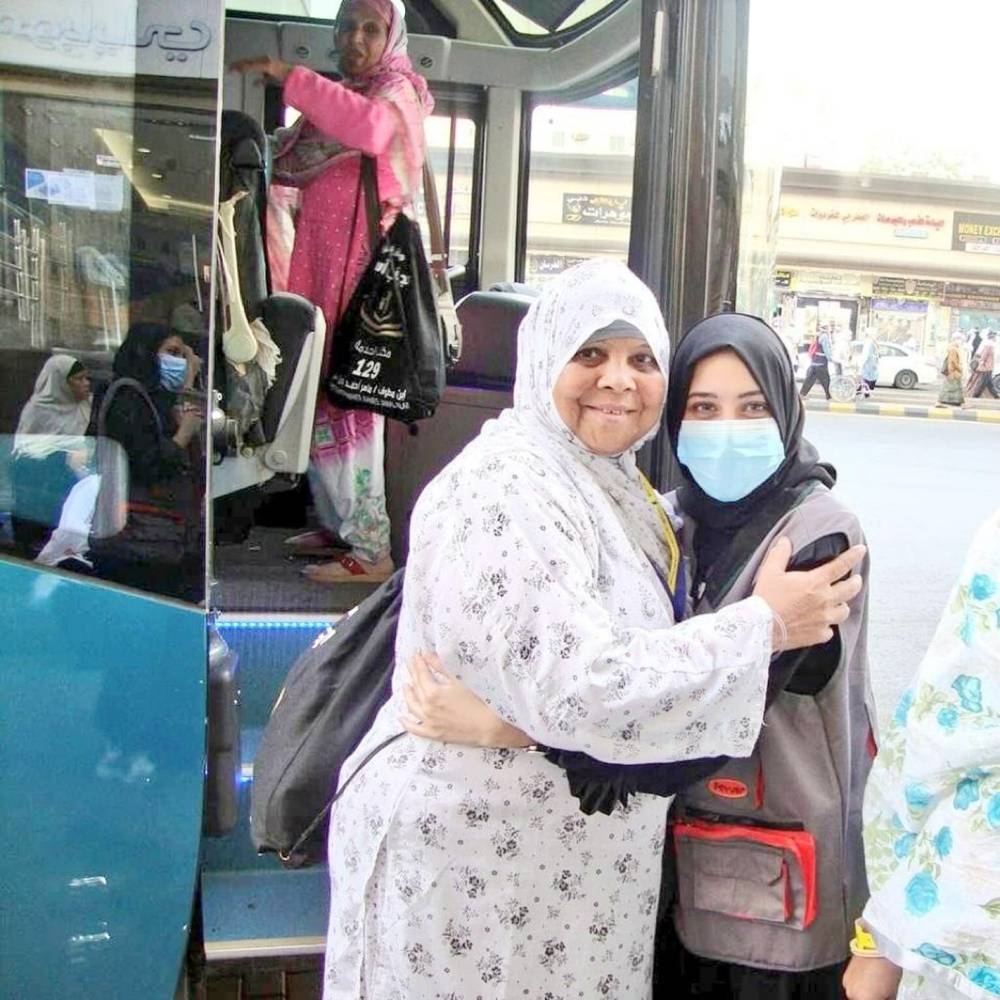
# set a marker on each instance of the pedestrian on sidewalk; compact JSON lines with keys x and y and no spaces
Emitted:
{"x":869,"y":364}
{"x":952,"y":393}
{"x":981,"y":379}
{"x":820,"y":352}
{"x":977,"y":339}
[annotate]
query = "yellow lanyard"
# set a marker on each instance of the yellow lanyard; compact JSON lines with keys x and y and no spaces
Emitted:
{"x":669,"y":538}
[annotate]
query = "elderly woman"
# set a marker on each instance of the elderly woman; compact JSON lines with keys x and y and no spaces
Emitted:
{"x":377,"y":110}
{"x":546,"y":570}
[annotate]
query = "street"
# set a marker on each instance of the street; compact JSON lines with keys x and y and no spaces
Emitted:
{"x":921,"y":488}
{"x":923,"y":395}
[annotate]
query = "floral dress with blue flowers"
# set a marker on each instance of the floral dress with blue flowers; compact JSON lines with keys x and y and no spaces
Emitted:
{"x":932,"y":809}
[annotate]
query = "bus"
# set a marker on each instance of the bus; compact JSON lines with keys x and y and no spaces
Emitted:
{"x":132,"y":707}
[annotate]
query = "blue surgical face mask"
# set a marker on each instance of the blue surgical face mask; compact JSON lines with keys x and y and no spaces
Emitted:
{"x":729,"y":459}
{"x":173,"y":372}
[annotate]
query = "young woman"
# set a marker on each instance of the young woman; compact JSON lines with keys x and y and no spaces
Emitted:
{"x":780,"y":828}
{"x":144,"y":411}
{"x":377,"y":110}
{"x":458,"y":873}
{"x":767,"y":850}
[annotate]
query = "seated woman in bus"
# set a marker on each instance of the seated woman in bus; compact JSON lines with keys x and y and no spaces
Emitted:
{"x":377,"y":110}
{"x":932,"y":810}
{"x":49,"y":450}
{"x":767,"y":850}
{"x":145,"y":411}
{"x":547,"y":570}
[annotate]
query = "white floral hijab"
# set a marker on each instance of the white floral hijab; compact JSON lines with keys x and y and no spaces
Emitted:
{"x":932,"y":807}
{"x":582,"y":300}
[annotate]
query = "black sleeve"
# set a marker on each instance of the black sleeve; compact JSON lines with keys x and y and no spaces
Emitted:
{"x":808,"y":671}
{"x":154,"y":457}
{"x":600,"y":786}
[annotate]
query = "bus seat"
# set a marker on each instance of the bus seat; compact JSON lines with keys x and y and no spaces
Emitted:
{"x":479,"y":387}
{"x":284,"y":431}
{"x":489,"y":339}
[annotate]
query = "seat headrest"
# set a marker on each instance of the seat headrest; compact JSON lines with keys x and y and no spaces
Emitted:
{"x":490,"y":321}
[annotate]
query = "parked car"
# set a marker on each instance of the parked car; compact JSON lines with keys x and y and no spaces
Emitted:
{"x":898,"y":366}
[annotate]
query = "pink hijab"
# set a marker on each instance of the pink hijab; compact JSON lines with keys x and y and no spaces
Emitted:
{"x":303,"y":152}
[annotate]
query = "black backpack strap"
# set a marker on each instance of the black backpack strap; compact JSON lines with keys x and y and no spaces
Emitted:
{"x":291,"y":858}
{"x":112,"y":391}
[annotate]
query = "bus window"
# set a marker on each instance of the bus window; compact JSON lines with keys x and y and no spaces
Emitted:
{"x":579,"y":201}
{"x":453,"y":146}
{"x":105,"y":248}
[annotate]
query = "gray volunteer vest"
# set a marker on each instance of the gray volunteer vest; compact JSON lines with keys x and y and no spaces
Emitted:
{"x":770,"y":865}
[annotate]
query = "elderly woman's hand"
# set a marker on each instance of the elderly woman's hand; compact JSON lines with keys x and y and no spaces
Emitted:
{"x":871,"y":979}
{"x":807,"y":604}
{"x":442,"y":708}
{"x":274,"y":68}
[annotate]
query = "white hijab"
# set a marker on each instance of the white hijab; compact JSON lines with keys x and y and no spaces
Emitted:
{"x":582,"y":300}
{"x":53,"y":419}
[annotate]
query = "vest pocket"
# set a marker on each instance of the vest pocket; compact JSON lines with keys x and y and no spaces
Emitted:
{"x":747,"y":872}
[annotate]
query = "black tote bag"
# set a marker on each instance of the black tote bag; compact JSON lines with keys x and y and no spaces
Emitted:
{"x":386,"y":355}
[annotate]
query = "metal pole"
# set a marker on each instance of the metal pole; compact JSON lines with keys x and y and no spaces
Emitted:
{"x":688,"y":167}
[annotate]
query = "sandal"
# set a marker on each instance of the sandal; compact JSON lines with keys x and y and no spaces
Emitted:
{"x":316,"y":543}
{"x":349,"y":569}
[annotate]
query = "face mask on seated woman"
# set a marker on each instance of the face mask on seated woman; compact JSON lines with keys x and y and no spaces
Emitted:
{"x":173,"y":372}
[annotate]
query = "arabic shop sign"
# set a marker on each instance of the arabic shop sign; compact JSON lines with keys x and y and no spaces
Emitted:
{"x":902,"y":225}
{"x":545,"y":265}
{"x":975,"y":232}
{"x":961,"y":295}
{"x":179,"y":38}
{"x":597,"y":209}
{"x":907,"y":288}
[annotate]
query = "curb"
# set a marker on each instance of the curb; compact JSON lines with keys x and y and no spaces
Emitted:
{"x":901,"y":410}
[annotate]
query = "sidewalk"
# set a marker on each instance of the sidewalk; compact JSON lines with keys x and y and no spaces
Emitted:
{"x":979,"y":410}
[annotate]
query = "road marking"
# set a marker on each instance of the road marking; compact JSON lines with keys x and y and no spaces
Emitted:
{"x":901,"y":410}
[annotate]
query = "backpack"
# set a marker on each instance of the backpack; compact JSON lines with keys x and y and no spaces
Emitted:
{"x":330,"y":699}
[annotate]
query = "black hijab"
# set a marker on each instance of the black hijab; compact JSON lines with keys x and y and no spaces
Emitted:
{"x":767,"y":359}
{"x":137,"y":358}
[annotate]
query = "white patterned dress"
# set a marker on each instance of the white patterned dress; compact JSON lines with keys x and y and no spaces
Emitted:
{"x":459,"y":873}
{"x":932,"y":807}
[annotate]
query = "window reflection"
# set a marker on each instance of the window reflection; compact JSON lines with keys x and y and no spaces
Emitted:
{"x":106,"y":188}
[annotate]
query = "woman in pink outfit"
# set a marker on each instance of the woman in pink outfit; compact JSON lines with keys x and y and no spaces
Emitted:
{"x":377,"y":110}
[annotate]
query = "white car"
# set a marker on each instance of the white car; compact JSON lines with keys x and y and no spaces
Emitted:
{"x":898,"y":366}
